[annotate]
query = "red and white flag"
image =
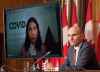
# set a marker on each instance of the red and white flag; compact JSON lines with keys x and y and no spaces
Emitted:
{"x":89,"y":30}
{"x":64,"y":23}
{"x":98,"y":39}
{"x":64,"y":26}
{"x":98,"y":45}
{"x":89,"y":23}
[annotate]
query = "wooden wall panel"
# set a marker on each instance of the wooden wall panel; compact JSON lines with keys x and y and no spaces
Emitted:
{"x":97,"y":10}
{"x":1,"y":20}
{"x":19,"y":65}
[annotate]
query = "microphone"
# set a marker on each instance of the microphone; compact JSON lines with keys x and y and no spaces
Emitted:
{"x":39,"y":59}
{"x":34,"y":67}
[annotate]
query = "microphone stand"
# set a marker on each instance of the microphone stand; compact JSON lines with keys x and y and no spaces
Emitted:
{"x":35,"y":65}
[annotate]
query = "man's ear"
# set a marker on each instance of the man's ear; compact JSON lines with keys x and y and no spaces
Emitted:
{"x":82,"y":36}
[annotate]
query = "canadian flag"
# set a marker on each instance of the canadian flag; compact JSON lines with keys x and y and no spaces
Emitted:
{"x":89,"y":23}
{"x":64,"y":23}
{"x":64,"y":28}
{"x":98,"y":39}
{"x":89,"y":30}
{"x":98,"y":42}
{"x":64,"y":13}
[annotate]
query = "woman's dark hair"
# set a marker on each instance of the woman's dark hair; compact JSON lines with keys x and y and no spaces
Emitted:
{"x":27,"y":41}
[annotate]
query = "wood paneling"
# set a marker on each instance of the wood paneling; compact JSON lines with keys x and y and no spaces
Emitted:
{"x":1,"y":21}
{"x":97,"y":9}
{"x":19,"y":65}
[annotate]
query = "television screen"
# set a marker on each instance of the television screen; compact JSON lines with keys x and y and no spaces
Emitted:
{"x":16,"y":21}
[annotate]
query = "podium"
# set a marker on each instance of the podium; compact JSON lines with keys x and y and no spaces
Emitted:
{"x":24,"y":65}
{"x":19,"y":65}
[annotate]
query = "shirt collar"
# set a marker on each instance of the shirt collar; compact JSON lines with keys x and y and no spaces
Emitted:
{"x":77,"y":47}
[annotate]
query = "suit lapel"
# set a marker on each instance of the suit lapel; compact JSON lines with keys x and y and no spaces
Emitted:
{"x":79,"y":53}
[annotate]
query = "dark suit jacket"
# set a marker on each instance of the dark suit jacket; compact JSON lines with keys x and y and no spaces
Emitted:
{"x":86,"y":58}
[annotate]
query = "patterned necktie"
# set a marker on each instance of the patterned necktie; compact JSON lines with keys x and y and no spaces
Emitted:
{"x":74,"y":56}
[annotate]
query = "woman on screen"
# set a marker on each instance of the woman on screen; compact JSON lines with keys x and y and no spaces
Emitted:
{"x":33,"y":46}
